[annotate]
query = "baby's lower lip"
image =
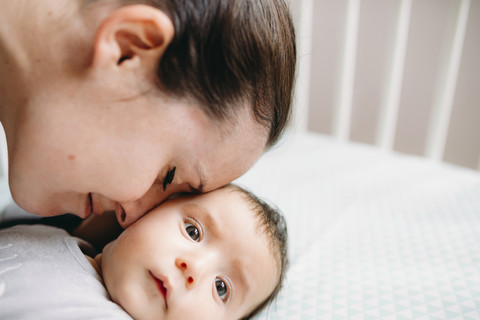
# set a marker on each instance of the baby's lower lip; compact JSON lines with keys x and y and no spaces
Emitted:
{"x":161,"y":288}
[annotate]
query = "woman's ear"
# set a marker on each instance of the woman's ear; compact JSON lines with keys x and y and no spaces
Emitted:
{"x":131,"y":37}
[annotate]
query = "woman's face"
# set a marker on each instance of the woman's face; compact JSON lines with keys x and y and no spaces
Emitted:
{"x":78,"y":153}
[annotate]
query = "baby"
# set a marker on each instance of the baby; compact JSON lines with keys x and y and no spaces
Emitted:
{"x":219,"y":255}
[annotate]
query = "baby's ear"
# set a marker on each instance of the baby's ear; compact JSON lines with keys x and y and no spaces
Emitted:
{"x":131,"y":37}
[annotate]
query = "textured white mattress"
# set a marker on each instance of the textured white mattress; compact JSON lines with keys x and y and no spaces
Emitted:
{"x":372,"y":234}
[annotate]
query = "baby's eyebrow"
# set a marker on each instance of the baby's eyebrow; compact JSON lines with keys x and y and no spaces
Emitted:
{"x":239,"y":271}
{"x":212,"y":224}
{"x":209,"y":221}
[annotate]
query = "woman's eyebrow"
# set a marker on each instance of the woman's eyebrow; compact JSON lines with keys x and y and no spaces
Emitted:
{"x":203,"y":180}
{"x":197,"y":190}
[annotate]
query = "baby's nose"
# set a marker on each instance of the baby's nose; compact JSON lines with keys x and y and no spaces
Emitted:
{"x":192,"y":269}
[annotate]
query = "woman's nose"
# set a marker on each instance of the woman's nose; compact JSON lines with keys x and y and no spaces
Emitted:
{"x":127,"y":212}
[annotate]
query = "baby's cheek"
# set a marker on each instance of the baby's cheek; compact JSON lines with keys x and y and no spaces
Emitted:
{"x":198,"y":307}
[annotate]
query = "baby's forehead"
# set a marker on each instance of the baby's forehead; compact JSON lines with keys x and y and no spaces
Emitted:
{"x":227,"y":195}
{"x":227,"y":205}
{"x":235,"y":201}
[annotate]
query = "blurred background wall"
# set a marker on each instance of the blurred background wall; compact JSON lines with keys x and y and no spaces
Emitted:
{"x":401,"y":74}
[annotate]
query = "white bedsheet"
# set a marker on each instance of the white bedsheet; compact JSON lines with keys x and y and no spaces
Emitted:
{"x":372,"y":234}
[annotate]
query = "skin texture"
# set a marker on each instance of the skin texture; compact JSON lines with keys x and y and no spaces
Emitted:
{"x":87,"y":128}
{"x":160,"y":246}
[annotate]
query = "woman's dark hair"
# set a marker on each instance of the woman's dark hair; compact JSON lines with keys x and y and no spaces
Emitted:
{"x":230,"y":51}
{"x":272,"y":223}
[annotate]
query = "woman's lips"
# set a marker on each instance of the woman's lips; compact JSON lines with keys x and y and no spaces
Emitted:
{"x":96,"y":209}
{"x":88,"y":206}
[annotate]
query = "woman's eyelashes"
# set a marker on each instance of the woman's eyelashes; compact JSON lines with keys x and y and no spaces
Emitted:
{"x":169,"y":178}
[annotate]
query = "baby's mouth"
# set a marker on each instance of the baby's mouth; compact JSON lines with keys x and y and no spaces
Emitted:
{"x":161,"y":287}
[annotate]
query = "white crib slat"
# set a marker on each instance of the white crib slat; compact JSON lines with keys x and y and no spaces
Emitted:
{"x":3,"y":153}
{"x":442,"y":109}
{"x":343,"y":111}
{"x":389,"y":109}
{"x":304,"y":51}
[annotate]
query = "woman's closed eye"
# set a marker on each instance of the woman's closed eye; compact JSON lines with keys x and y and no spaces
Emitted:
{"x":169,"y":178}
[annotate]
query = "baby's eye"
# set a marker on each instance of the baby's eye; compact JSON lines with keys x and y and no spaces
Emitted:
{"x":222,"y":288}
{"x":192,"y":231}
{"x":169,"y":178}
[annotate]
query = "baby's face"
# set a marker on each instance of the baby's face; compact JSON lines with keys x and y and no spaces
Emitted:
{"x":200,"y":257}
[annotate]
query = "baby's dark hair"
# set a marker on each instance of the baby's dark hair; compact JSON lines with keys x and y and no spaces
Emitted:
{"x":273,"y":224}
{"x":228,"y":53}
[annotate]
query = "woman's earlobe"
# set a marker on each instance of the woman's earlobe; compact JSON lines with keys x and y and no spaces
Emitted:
{"x":135,"y":33}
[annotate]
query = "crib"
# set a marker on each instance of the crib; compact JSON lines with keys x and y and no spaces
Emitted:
{"x":403,"y":75}
{"x":378,"y":175}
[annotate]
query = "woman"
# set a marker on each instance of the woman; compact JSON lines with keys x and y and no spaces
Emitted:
{"x":116,"y":105}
